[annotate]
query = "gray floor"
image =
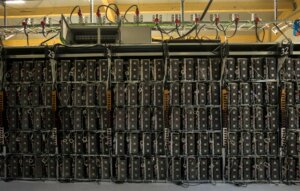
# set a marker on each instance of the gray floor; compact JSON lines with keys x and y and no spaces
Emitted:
{"x":54,"y":186}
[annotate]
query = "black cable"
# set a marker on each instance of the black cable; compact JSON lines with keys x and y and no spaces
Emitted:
{"x":164,"y":31}
{"x":177,"y":30}
{"x":235,"y":30}
{"x":217,"y":35}
{"x":114,"y":10}
{"x":42,"y":43}
{"x":113,"y":4}
{"x":188,"y":33}
{"x":43,"y":32}
{"x":289,"y":40}
{"x":100,"y":6}
{"x":161,"y":32}
{"x":205,"y":10}
{"x":1,"y":43}
{"x":107,"y":7}
{"x":222,"y":29}
{"x":196,"y":25}
{"x":257,"y":35}
{"x":198,"y":32}
{"x":201,"y":18}
{"x":77,"y":6}
{"x":129,"y":10}
{"x":170,"y":31}
{"x":27,"y":36}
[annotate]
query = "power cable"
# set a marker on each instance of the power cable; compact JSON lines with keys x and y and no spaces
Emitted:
{"x":73,"y":10}
{"x":257,"y":35}
{"x":129,"y":8}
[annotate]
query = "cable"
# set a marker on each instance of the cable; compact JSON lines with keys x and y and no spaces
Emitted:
{"x":257,"y":35}
{"x":197,"y":32}
{"x":1,"y":44}
{"x":43,"y":32}
{"x":77,"y":6}
{"x":164,"y":31}
{"x":201,"y":18}
{"x":217,"y":35}
{"x":42,"y":43}
{"x":205,"y":10}
{"x":161,"y":32}
{"x":113,"y":4}
{"x":196,"y":25}
{"x":177,"y":30}
{"x":27,"y":36}
{"x":222,"y":29}
{"x":24,"y":24}
{"x":136,"y":9}
{"x":235,"y":30}
{"x":116,"y":11}
{"x":289,"y":40}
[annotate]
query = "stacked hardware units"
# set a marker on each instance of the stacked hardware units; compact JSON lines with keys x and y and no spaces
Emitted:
{"x":166,"y":144}
{"x":195,"y":119}
{"x":138,"y":140}
{"x":127,"y":114}
{"x":30,"y":144}
{"x":290,"y":99}
{"x":253,"y":125}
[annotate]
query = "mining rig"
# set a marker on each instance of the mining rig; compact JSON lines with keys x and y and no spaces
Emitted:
{"x":181,"y":112}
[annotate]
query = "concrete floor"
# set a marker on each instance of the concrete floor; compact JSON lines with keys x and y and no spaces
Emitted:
{"x":54,"y":186}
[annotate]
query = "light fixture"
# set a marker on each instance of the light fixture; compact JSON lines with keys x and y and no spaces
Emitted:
{"x":14,"y":2}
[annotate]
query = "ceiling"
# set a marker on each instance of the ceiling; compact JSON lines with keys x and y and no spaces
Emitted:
{"x":244,"y":7}
{"x":49,"y":3}
{"x":60,"y":3}
{"x":174,"y":1}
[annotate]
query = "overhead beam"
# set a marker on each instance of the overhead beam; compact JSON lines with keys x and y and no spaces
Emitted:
{"x":37,"y":42}
{"x":4,"y":14}
{"x":190,"y":7}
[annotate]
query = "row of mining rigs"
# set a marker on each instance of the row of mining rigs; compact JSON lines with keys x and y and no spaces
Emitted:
{"x":173,"y":113}
{"x":183,"y":119}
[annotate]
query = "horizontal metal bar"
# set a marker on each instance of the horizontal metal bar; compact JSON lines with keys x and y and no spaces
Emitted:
{"x":296,"y":53}
{"x":257,"y":53}
{"x":138,"y":54}
{"x":80,"y":55}
{"x":26,"y":56}
{"x":141,"y":54}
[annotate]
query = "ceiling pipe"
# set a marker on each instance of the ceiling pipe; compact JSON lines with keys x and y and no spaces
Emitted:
{"x":4,"y":13}
{"x":182,"y":11}
{"x":91,"y":11}
{"x":275,"y":11}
